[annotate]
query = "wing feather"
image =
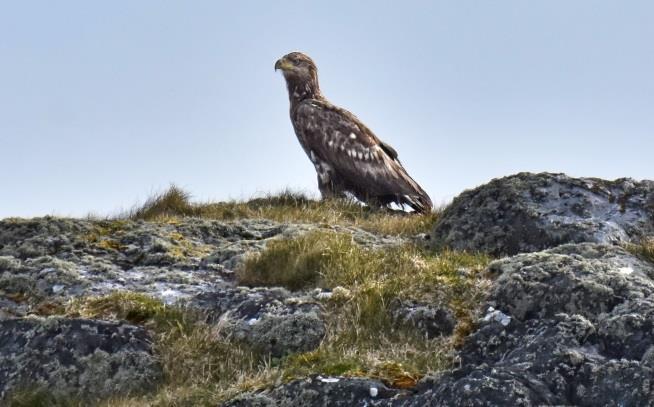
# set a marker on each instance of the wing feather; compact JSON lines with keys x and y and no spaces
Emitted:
{"x":336,"y":136}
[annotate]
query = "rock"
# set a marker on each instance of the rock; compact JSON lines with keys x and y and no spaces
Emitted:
{"x":53,"y":259}
{"x":271,"y":320}
{"x":320,"y":391}
{"x":530,"y":212}
{"x":81,"y":358}
{"x":581,"y":332}
{"x":430,"y":320}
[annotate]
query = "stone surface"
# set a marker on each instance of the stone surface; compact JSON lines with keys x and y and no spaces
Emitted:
{"x":46,"y":262}
{"x":272,"y":320}
{"x":320,"y":391}
{"x":428,"y":319}
{"x":573,"y":325}
{"x":50,"y":260}
{"x":530,"y":212}
{"x":81,"y":358}
{"x":581,"y":333}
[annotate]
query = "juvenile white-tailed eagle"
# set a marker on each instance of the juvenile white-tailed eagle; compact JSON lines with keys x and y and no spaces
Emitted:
{"x":348,"y":157}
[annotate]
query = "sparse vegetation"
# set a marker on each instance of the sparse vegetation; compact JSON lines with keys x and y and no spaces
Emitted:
{"x":287,"y":206}
{"x":200,"y":366}
{"x":40,"y":397}
{"x":362,"y":339}
{"x":203,"y":367}
{"x":645,"y":249}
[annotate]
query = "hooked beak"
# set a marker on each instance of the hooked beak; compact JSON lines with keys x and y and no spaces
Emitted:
{"x":282,"y":64}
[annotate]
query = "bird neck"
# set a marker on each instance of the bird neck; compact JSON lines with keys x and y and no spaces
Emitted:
{"x":301,"y":90}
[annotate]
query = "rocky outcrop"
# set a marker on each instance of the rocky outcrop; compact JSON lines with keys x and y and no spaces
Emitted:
{"x":572,"y":325}
{"x":569,"y":318}
{"x":46,"y":262}
{"x":50,"y":260}
{"x":530,"y":212}
{"x":579,"y":330}
{"x":79,"y":358}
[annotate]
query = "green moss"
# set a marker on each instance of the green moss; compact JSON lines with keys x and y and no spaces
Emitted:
{"x":133,"y":307}
{"x":183,"y":248}
{"x":106,"y":234}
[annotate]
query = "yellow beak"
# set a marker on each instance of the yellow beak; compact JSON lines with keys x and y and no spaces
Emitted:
{"x":283,"y":64}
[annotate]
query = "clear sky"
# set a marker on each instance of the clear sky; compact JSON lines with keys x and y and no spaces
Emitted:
{"x":102,"y":103}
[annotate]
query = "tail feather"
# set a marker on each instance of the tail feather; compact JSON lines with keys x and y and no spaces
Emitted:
{"x":419,"y":203}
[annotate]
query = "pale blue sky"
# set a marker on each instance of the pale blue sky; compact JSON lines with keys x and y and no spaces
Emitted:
{"x":102,"y":103}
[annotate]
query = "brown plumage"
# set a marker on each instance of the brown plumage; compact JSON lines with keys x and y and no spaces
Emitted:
{"x":348,"y":157}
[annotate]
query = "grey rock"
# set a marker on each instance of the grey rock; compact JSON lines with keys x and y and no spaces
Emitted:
{"x":85,"y":359}
{"x":271,"y":320}
{"x":429,"y":319}
{"x":581,"y":333}
{"x":318,"y":391}
{"x":53,"y":259}
{"x":530,"y":212}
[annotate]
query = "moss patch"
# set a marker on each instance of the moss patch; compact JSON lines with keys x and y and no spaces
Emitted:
{"x":40,"y":397}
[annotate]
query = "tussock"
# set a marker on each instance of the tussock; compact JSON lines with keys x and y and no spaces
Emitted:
{"x":286,"y":206}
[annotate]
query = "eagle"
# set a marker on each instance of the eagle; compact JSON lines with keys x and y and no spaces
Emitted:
{"x":346,"y":154}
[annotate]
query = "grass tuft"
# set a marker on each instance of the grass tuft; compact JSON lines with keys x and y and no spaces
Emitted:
{"x":644,"y":250}
{"x":173,"y":202}
{"x":286,"y":206}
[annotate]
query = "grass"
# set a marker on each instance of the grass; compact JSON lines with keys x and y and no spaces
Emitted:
{"x":203,"y":367}
{"x":200,"y":366}
{"x":362,"y":339}
{"x":40,"y":397}
{"x":287,"y":206}
{"x":644,"y":250}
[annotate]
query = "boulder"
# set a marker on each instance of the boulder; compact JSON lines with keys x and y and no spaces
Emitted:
{"x":272,"y":320}
{"x":530,"y":212}
{"x":428,"y":319}
{"x":79,"y":358}
{"x":578,"y":329}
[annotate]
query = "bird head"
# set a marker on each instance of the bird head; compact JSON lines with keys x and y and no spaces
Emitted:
{"x":297,"y":66}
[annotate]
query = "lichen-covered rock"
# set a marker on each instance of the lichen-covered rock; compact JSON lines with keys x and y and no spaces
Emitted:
{"x":530,"y":212}
{"x":320,"y":391}
{"x":50,"y":260}
{"x":428,"y":319}
{"x":271,"y":320}
{"x":81,"y":358}
{"x":577,"y":329}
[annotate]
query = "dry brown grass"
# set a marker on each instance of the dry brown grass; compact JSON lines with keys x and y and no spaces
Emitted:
{"x":644,"y":250}
{"x":201,"y":366}
{"x":286,"y":206}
